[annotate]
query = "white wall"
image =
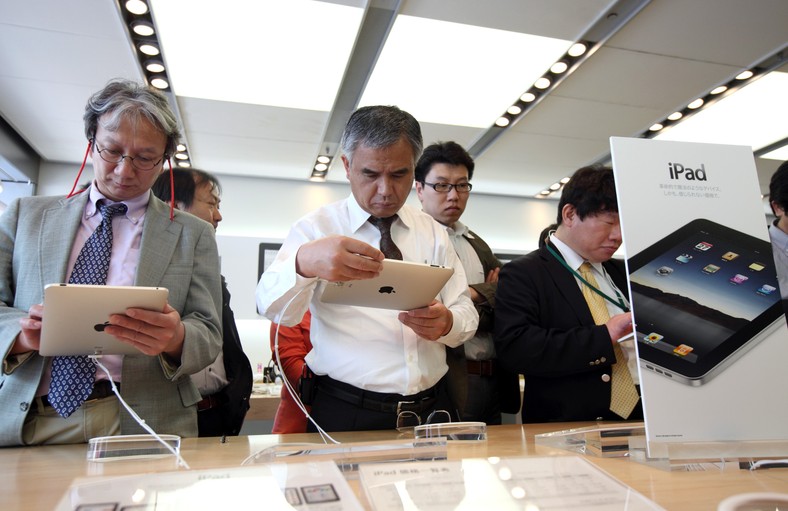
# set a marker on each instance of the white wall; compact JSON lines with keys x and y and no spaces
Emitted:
{"x":262,"y":210}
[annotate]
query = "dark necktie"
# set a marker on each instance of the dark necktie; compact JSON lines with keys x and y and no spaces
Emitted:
{"x":73,"y":376}
{"x":387,"y":246}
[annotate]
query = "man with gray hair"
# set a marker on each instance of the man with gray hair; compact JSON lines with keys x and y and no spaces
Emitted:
{"x":371,"y":366}
{"x":114,"y":233}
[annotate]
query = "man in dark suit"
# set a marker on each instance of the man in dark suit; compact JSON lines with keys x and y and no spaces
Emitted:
{"x":544,"y":326}
{"x":225,"y":385}
{"x":480,"y":388}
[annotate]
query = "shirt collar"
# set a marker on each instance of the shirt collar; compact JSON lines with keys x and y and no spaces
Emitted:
{"x":135,"y":207}
{"x":358,"y":217}
{"x":571,"y":257}
{"x":778,"y":237}
{"x":459,"y":229}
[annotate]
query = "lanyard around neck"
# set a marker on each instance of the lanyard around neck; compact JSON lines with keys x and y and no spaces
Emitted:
{"x":618,"y":303}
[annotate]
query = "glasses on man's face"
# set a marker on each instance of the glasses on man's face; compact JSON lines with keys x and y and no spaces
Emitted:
{"x":407,"y":420}
{"x":138,"y":162}
{"x":446,"y":187}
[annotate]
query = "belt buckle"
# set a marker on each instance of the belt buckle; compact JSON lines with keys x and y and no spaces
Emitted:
{"x":400,"y":403}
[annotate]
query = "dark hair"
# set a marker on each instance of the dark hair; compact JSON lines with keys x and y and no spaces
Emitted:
{"x":591,"y":190}
{"x":778,"y":187}
{"x":545,"y":233}
{"x":186,"y":183}
{"x":378,"y":127}
{"x":126,"y":99}
{"x":450,"y":153}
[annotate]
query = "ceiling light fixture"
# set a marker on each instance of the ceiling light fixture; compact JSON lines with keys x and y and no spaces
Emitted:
{"x":141,"y":33}
{"x":137,"y":7}
{"x":620,"y":13}
{"x":717,"y":93}
{"x":142,"y":28}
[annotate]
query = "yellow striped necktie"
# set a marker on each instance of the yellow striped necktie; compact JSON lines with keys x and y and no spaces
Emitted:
{"x":623,"y":395}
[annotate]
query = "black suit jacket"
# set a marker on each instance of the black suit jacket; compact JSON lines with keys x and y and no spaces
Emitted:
{"x":544,"y":330}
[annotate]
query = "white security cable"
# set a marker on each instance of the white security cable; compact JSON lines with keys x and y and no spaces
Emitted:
{"x":140,"y":421}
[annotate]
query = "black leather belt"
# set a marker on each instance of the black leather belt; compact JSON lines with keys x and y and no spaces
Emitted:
{"x":212,"y":401}
{"x":377,"y":401}
{"x":481,"y":367}
{"x":101,"y":389}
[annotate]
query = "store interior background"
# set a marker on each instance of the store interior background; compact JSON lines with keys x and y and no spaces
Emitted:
{"x":465,"y":63}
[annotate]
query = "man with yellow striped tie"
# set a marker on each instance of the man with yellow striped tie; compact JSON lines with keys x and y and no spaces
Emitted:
{"x":562,"y":310}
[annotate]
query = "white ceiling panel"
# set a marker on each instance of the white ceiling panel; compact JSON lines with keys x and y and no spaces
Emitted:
{"x":54,"y":54}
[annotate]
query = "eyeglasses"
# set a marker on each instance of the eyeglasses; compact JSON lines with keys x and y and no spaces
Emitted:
{"x":407,"y":420}
{"x":446,"y":187}
{"x":138,"y":162}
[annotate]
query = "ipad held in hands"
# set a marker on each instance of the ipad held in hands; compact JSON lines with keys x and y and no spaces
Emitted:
{"x":702,"y":297}
{"x":75,"y":316}
{"x":402,"y":285}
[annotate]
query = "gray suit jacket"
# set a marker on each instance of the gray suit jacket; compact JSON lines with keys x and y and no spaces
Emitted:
{"x":36,"y":235}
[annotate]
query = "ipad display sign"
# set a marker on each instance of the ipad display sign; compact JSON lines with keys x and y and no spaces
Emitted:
{"x":702,"y":297}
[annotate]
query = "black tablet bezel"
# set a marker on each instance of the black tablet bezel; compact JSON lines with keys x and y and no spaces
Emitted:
{"x":700,"y":369}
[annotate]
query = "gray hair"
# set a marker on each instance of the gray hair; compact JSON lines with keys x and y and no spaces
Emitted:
{"x":378,"y":127}
{"x":125,"y":99}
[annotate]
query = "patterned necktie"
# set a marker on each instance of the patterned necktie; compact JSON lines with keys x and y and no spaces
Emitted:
{"x":623,"y":395}
{"x":73,"y":376}
{"x":387,"y":246}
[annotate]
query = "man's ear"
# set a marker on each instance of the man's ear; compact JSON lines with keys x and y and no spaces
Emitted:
{"x":568,"y":215}
{"x":776,"y":209}
{"x":419,"y":190}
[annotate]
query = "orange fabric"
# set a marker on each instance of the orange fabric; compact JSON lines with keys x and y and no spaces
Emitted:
{"x":294,"y":344}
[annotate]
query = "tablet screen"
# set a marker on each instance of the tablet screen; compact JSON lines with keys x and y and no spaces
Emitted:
{"x":700,"y":294}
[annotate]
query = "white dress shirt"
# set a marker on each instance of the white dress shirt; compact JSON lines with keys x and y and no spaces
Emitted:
{"x":365,"y":347}
{"x":780,"y":251}
{"x":480,"y":346}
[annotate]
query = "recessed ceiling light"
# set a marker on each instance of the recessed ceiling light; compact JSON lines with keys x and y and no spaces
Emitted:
{"x":502,"y":122}
{"x":696,"y":104}
{"x":321,"y":167}
{"x":514,"y":110}
{"x":542,"y":83}
{"x":753,"y":115}
{"x":565,"y":180}
{"x":182,"y":156}
{"x":136,"y":7}
{"x":323,"y":159}
{"x":675,"y":116}
{"x":744,"y":75}
{"x":159,"y":82}
{"x":577,"y":49}
{"x":559,"y":67}
{"x":317,"y":179}
{"x":545,"y":192}
{"x":555,"y":186}
{"x":655,"y":127}
{"x":180,"y":147}
{"x":154,"y":66}
{"x":149,"y":49}
{"x":719,"y":90}
{"x":184,"y":164}
{"x":528,"y":97}
{"x":142,"y":28}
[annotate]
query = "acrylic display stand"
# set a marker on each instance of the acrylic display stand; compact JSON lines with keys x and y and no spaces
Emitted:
{"x":629,"y":440}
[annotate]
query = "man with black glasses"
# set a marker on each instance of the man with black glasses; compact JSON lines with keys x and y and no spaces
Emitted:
{"x":480,"y":388}
{"x":114,"y":233}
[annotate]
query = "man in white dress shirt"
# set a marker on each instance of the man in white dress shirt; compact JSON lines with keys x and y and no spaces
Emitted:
{"x":372,"y":367}
{"x":778,"y":231}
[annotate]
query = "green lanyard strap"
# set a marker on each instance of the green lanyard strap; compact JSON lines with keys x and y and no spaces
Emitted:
{"x":620,"y":303}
